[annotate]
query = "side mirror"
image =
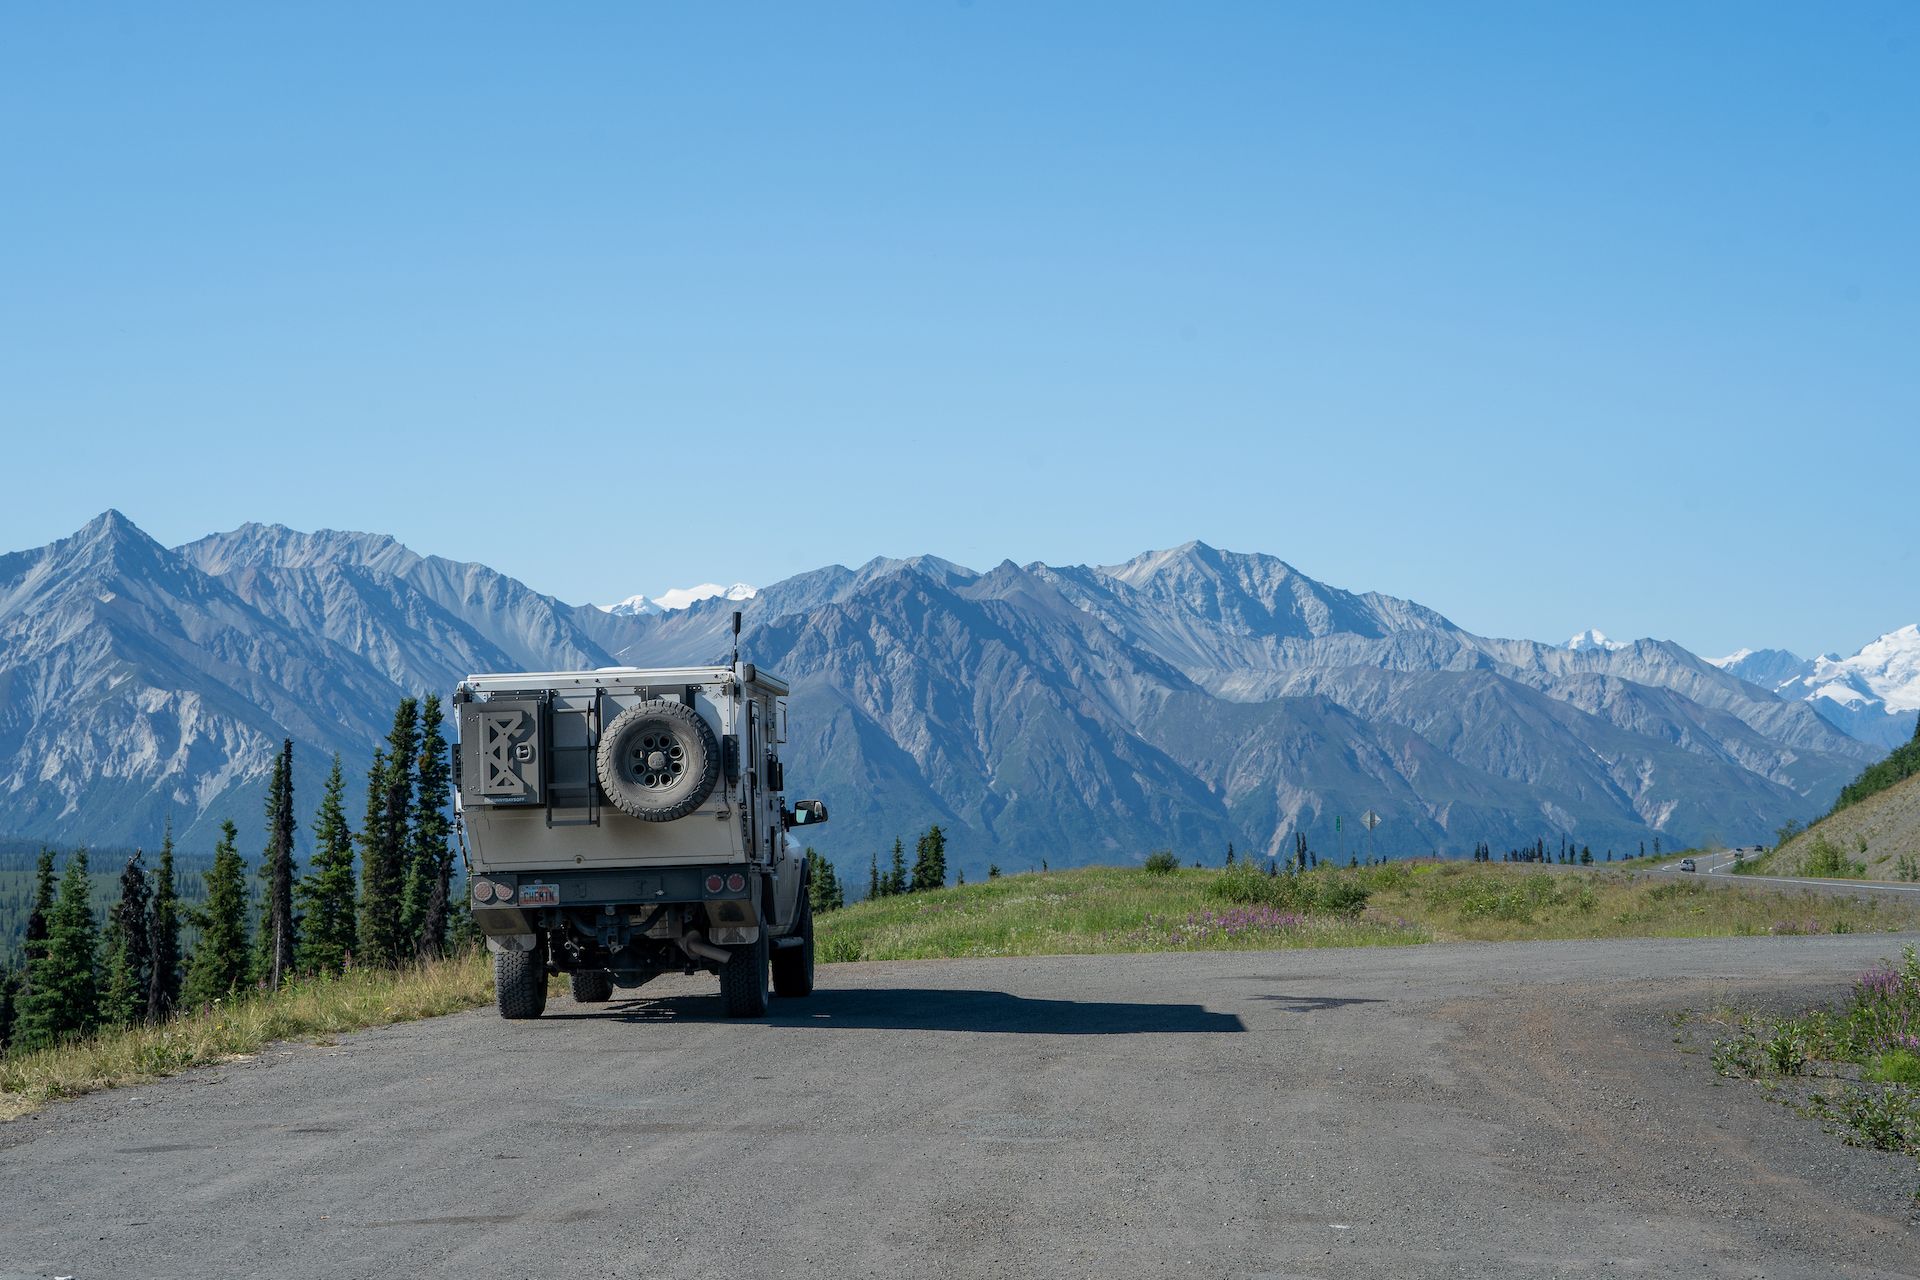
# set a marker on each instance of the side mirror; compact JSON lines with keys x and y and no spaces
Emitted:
{"x":809,"y":813}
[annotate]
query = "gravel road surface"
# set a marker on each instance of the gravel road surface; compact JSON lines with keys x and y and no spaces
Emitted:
{"x":1460,"y":1110}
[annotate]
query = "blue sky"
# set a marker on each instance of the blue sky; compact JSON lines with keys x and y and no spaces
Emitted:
{"x":1545,"y":317}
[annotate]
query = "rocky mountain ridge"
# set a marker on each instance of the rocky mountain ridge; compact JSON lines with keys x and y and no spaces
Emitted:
{"x":1185,"y":698}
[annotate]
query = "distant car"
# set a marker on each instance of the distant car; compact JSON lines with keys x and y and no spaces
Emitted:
{"x":1686,"y":864}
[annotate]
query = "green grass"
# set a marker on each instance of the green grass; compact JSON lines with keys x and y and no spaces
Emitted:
{"x":230,"y":1030}
{"x":1111,"y":909}
{"x":1092,"y":910}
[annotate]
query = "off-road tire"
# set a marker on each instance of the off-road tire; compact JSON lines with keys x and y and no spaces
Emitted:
{"x":657,"y":761}
{"x":743,"y":979}
{"x":591,"y":988}
{"x":793,"y":966}
{"x":519,"y":984}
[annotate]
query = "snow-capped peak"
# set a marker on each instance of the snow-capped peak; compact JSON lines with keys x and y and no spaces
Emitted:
{"x":677,"y":598}
{"x":1593,"y":639}
{"x":1889,"y":668}
{"x":1738,"y":655}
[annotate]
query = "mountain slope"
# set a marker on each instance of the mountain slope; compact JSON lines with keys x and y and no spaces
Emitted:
{"x":1878,"y":832}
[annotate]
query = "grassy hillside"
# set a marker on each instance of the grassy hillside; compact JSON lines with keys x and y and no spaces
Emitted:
{"x":1876,"y":837}
{"x":1108,"y":909}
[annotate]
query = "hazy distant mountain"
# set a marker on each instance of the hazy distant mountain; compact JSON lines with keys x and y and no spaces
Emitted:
{"x":1873,"y":695}
{"x":1183,"y":699}
{"x":1592,"y":639}
{"x":677,"y":598}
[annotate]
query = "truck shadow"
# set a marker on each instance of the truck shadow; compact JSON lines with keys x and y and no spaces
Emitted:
{"x":917,"y":1009}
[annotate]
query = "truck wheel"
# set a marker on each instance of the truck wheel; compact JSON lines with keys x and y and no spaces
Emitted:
{"x":591,"y":988}
{"x":793,"y":966}
{"x":743,"y":979}
{"x":658,"y":761}
{"x":519,"y":984}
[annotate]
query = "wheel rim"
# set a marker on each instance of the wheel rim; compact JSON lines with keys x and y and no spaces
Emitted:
{"x":656,"y":760}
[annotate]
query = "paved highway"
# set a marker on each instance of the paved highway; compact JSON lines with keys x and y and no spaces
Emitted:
{"x":1441,"y":1111}
{"x":1720,"y":865}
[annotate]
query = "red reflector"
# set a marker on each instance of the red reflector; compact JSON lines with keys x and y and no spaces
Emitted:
{"x":714,"y":884}
{"x":736,"y":882}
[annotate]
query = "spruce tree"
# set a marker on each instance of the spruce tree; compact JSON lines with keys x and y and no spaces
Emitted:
{"x":930,"y":861}
{"x":129,"y":950}
{"x":993,"y":871}
{"x":326,"y":891}
{"x":430,"y":868}
{"x":1229,"y":853}
{"x":386,"y":844}
{"x":9,"y":1004}
{"x":378,"y":889}
{"x":63,"y":995}
{"x":276,"y":938}
{"x":221,"y":962}
{"x":897,"y":870}
{"x":823,"y":886}
{"x":163,"y":936}
{"x":873,"y":877}
{"x":40,"y":915}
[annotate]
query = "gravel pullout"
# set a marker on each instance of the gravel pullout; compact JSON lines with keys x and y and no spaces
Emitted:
{"x":1460,"y":1110}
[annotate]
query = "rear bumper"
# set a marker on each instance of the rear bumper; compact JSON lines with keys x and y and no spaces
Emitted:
{"x":499,"y":915}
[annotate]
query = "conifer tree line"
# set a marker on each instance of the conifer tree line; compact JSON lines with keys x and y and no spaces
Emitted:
{"x":82,"y":974}
{"x":929,"y":867}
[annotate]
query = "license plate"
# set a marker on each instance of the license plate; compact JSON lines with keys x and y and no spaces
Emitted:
{"x":539,"y":895}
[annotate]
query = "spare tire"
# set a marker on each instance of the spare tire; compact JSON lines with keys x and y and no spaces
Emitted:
{"x":658,"y":761}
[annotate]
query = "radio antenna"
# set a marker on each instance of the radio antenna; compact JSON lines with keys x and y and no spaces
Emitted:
{"x":736,"y":639}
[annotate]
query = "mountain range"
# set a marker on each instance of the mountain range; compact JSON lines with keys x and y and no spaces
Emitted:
{"x":1873,"y":695}
{"x":1185,"y":698}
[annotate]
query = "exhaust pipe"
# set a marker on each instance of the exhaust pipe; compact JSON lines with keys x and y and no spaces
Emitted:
{"x":695,"y":944}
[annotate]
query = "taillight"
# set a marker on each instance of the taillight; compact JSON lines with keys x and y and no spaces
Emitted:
{"x":715,"y":884}
{"x":504,"y":892}
{"x":736,"y":882}
{"x":483,"y":891}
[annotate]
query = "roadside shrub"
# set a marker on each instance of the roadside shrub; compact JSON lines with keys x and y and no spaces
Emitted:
{"x":1162,"y":862}
{"x":1883,"y":1119}
{"x":1785,"y":1051}
{"x":1247,"y":884}
{"x":1884,"y":1011}
{"x":1896,"y":1066}
{"x":1511,"y":898}
{"x":1391,"y":875}
{"x":1341,"y":896}
{"x":1825,"y":858}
